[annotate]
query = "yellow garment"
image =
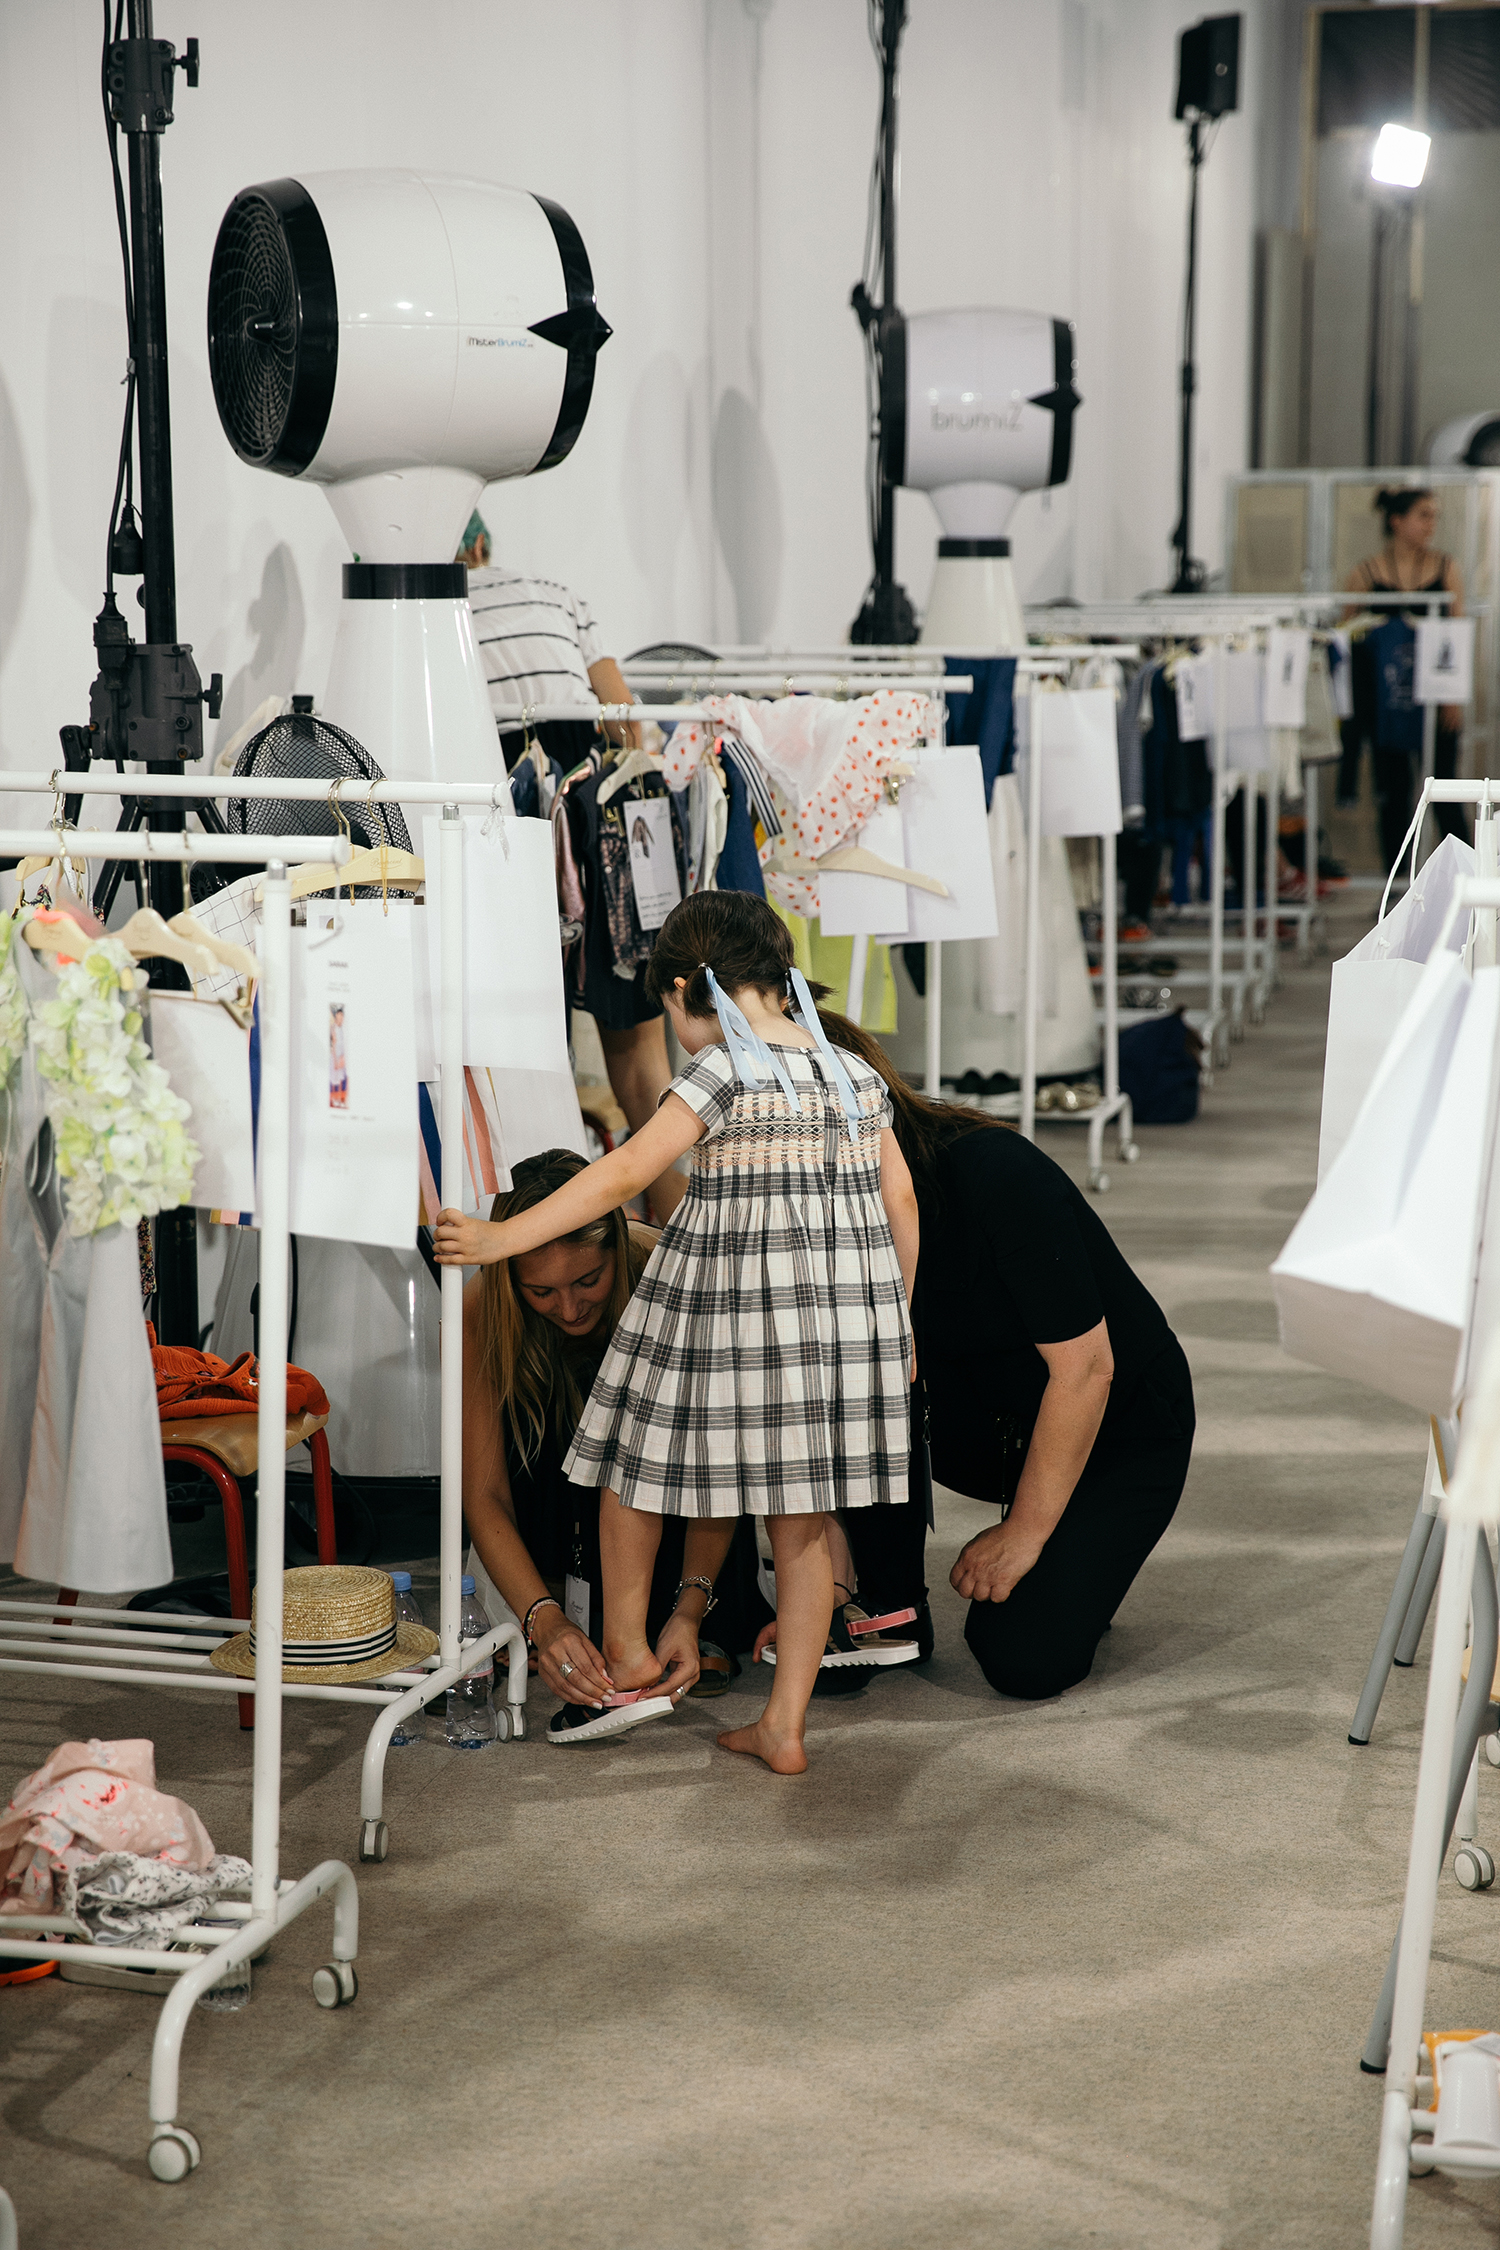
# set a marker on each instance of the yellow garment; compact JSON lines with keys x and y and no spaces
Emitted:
{"x":826,"y":960}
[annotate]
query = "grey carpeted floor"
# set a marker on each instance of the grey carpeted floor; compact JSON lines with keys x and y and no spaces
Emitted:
{"x":1091,"y":1973}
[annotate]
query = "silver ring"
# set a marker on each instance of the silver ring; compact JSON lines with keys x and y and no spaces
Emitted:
{"x":565,"y":1668}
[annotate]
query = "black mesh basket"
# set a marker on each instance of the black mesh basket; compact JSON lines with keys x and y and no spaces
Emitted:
{"x":302,"y":748}
{"x":299,"y":747}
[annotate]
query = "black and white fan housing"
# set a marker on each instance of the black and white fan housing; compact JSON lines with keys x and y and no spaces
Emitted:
{"x":403,"y":340}
{"x":983,"y":401}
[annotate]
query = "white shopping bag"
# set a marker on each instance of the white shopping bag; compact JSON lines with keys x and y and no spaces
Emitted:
{"x":868,"y":905}
{"x":1376,"y":1279}
{"x":1372,"y":985}
{"x":514,"y":1014}
{"x":942,"y":814}
{"x":1287,"y":651}
{"x":206,"y":1055}
{"x":1445,"y":661}
{"x":1074,"y":736}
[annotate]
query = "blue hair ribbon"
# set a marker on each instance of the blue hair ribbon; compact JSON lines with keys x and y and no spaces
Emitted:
{"x":753,"y":1060}
{"x":805,"y":1013}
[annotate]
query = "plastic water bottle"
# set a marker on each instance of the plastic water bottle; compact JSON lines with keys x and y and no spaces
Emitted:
{"x":413,"y":1728}
{"x":471,"y":1723}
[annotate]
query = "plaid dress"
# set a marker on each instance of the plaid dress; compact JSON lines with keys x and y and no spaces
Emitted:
{"x":761,"y":1366}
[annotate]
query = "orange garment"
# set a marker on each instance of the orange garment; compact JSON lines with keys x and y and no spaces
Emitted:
{"x":192,"y":1383}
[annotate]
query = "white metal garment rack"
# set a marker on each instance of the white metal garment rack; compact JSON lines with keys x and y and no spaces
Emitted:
{"x":29,"y":1641}
{"x":206,"y":1953}
{"x":1449,"y":1738}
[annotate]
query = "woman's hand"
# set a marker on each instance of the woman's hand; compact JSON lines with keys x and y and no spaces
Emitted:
{"x":990,"y":1567}
{"x":677,"y":1653}
{"x":461,"y":1241}
{"x":1451,"y":716}
{"x":559,"y":1642}
{"x":764,"y":1639}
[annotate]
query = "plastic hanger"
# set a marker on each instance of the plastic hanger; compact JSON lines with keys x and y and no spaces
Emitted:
{"x":232,"y":956}
{"x":385,"y":864}
{"x":148,"y":937}
{"x":630,"y":767}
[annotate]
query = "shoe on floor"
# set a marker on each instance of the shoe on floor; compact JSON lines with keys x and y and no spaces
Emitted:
{"x":580,"y":1722}
{"x":717,"y":1670}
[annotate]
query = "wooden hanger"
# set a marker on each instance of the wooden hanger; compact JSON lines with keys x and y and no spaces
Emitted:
{"x":55,"y":933}
{"x":630,"y":767}
{"x":236,"y":957}
{"x":148,"y":937}
{"x":383,"y":864}
{"x":853,"y":859}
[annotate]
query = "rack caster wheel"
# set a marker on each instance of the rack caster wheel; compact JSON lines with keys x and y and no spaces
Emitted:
{"x":1492,"y":1748}
{"x":1098,"y":1181}
{"x":510,"y":1722}
{"x":174,"y":2152}
{"x":335,"y":1986}
{"x":1474,"y":1867}
{"x":1131,"y":1153}
{"x":374,"y":1840}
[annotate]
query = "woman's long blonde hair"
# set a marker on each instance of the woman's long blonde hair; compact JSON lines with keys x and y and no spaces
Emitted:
{"x":521,"y":1351}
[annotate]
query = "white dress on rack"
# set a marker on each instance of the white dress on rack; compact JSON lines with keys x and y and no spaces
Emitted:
{"x":83,"y":1498}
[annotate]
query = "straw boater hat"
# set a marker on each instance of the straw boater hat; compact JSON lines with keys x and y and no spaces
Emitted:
{"x":338,"y":1623}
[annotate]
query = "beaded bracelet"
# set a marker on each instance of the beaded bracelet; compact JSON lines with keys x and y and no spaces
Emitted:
{"x":541,"y":1602}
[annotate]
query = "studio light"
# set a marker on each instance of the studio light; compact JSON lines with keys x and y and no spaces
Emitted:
{"x":1400,"y":157}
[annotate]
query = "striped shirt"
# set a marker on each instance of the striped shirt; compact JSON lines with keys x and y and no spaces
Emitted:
{"x":536,"y":640}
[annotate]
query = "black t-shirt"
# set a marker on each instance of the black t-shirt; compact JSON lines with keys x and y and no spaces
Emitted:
{"x":1012,"y":1256}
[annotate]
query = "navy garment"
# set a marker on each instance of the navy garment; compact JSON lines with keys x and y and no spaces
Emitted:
{"x":1177,"y":781}
{"x":1398,"y":719}
{"x":986,"y":715}
{"x":739,"y":862}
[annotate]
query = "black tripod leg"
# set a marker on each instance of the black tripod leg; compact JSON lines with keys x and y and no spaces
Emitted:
{"x":107,"y":888}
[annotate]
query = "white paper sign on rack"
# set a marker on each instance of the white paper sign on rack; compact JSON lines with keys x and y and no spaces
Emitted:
{"x":1195,"y":698}
{"x":354,"y":1076}
{"x":515,"y":1016}
{"x":947,"y":835}
{"x":653,"y":858}
{"x":1445,"y":660}
{"x":206,"y":1055}
{"x":1074,"y":734}
{"x":868,"y":905}
{"x":1287,"y":650}
{"x":1247,"y":747}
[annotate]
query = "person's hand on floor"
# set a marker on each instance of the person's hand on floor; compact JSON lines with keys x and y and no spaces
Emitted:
{"x":677,"y":1653}
{"x":990,"y":1567}
{"x":559,"y":1643}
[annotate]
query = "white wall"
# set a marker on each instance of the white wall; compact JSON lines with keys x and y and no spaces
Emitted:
{"x":715,"y":156}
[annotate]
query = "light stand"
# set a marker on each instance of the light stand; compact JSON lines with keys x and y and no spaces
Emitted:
{"x":1191,"y":574}
{"x":146,"y":704}
{"x":887,"y":616}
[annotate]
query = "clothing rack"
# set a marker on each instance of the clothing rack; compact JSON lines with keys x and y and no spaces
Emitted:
{"x":1451,"y":1730}
{"x":179,"y":1658}
{"x":274,"y":1903}
{"x":630,"y":714}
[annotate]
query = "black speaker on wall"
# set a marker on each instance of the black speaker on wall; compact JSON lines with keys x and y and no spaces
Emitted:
{"x":1208,"y":67}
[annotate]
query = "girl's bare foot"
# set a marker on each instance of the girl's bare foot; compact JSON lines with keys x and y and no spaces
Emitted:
{"x":637,"y":1668}
{"x":783,"y":1753}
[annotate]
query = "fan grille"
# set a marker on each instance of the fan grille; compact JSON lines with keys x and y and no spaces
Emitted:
{"x":253,"y":327}
{"x":301,"y":748}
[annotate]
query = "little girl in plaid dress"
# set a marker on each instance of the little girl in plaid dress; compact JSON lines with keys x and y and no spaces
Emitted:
{"x":762,"y":1365}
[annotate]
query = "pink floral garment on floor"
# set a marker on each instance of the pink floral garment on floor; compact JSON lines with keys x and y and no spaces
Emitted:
{"x":826,"y":759}
{"x":91,"y":1797}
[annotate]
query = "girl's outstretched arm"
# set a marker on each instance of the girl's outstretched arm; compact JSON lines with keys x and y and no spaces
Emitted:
{"x":900,"y":1200}
{"x":461,"y":1241}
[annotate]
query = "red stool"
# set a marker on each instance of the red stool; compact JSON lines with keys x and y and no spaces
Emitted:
{"x":225,"y":1447}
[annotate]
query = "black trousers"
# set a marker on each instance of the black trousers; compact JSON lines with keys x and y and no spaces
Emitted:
{"x":1397,"y":779}
{"x":1044,"y":1637}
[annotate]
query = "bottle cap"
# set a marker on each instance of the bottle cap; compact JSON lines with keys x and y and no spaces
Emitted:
{"x":465,"y":1585}
{"x":401,"y":1580}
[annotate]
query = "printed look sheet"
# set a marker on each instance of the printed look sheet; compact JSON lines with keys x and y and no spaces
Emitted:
{"x":1074,"y":735}
{"x":514,"y":1014}
{"x":354,"y":1076}
{"x":653,"y":860}
{"x":1445,"y":660}
{"x":947,"y":835}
